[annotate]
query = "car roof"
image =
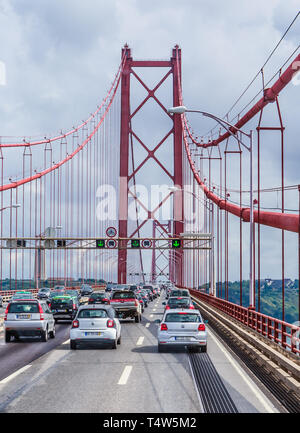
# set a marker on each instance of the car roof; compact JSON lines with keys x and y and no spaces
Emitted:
{"x":22,"y":300}
{"x":183,"y":310}
{"x":95,"y":307}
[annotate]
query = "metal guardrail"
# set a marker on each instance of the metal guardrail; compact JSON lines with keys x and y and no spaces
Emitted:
{"x":7,"y":294}
{"x":282,"y":333}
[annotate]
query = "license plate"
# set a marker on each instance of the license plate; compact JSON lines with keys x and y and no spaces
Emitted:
{"x":61,"y":311}
{"x":23,"y":316}
{"x":92,"y":333}
{"x":182,"y":338}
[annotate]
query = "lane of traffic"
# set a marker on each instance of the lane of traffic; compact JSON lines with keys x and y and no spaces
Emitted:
{"x":151,"y":382}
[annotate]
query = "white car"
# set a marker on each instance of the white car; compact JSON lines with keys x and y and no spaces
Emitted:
{"x":95,"y":324}
{"x":27,"y":318}
{"x":182,"y":328}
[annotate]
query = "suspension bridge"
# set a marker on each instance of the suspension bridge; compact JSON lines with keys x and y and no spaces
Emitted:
{"x":105,"y":201}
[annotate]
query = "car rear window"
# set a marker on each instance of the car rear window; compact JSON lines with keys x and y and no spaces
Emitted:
{"x":97,"y":295}
{"x":61,"y":301}
{"x":182,"y":317}
{"x":23,"y":307}
{"x":178,"y":301}
{"x":123,"y":295}
{"x":179,"y":293}
{"x":92,"y":314}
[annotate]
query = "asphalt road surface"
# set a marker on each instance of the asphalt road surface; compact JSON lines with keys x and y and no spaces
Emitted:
{"x":49,"y":377}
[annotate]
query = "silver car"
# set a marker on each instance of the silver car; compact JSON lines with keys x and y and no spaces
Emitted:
{"x":95,"y":324}
{"x":182,"y":328}
{"x":28,"y":318}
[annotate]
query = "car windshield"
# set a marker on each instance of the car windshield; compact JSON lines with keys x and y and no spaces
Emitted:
{"x":23,"y":307}
{"x":178,"y":301}
{"x":71,"y":292}
{"x":22,"y":296}
{"x":44,"y":290}
{"x":123,"y":295}
{"x":97,"y":295}
{"x":52,"y":294}
{"x":182,"y":317}
{"x":179,"y":293}
{"x":61,"y":301}
{"x":92,"y":314}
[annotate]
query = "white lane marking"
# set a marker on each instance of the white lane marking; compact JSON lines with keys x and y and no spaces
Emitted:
{"x":140,"y":341}
{"x":260,"y":396}
{"x":125,"y":375}
{"x":151,"y":315}
{"x":15,"y":374}
{"x":66,"y":342}
{"x":147,"y":325}
{"x":154,"y":309}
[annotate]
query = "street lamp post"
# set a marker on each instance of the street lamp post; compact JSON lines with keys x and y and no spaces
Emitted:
{"x":212,"y":288}
{"x":229,"y":127}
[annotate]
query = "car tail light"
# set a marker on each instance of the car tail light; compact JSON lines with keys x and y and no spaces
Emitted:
{"x":191,"y":307}
{"x":41,"y":312}
{"x":136,"y":303}
{"x":90,"y":300}
{"x":167,"y":307}
{"x":201,"y":327}
{"x":75,"y":324}
{"x":110,"y":323}
{"x":74,"y":307}
{"x":163,"y":327}
{"x":6,"y":312}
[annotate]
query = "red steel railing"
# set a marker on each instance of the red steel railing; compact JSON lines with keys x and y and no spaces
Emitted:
{"x":283,"y":333}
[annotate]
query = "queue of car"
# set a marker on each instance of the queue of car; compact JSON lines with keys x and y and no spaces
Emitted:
{"x":99,"y":320}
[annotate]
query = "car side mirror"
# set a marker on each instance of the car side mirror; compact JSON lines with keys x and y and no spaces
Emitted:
{"x":157,"y":321}
{"x":164,"y":303}
{"x":205,"y":321}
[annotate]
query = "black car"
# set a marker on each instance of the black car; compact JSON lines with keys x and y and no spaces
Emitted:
{"x":63,"y":307}
{"x":86,"y":290}
{"x":154,"y":295}
{"x":98,"y":298}
{"x":149,"y":291}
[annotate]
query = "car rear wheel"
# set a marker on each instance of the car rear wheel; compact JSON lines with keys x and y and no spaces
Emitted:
{"x":119,"y":340}
{"x":52,"y":333}
{"x":45,"y":335}
{"x":160,"y":348}
{"x":73,"y":345}
{"x":114,"y":346}
{"x":137,"y":318}
{"x":204,"y":349}
{"x":7,"y":337}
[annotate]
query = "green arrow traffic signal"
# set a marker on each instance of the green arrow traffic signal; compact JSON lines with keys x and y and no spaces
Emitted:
{"x":100,"y":243}
{"x":135,"y":243}
{"x":176,"y":243}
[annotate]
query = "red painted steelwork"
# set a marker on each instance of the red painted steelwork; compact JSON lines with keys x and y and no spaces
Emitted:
{"x":269,"y":96}
{"x":271,"y":328}
{"x":126,"y":131}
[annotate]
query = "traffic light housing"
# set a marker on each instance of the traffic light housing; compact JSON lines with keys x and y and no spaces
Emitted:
{"x":176,"y":243}
{"x":100,"y":243}
{"x":135,"y":243}
{"x":60,"y":243}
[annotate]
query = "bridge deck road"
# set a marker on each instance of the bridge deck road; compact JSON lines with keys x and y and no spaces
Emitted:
{"x":134,"y":378}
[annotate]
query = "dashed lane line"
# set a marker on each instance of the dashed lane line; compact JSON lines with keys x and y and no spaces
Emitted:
{"x":125,"y":375}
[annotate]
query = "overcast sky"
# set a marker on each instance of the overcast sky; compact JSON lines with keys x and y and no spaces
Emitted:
{"x":60,"y":57}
